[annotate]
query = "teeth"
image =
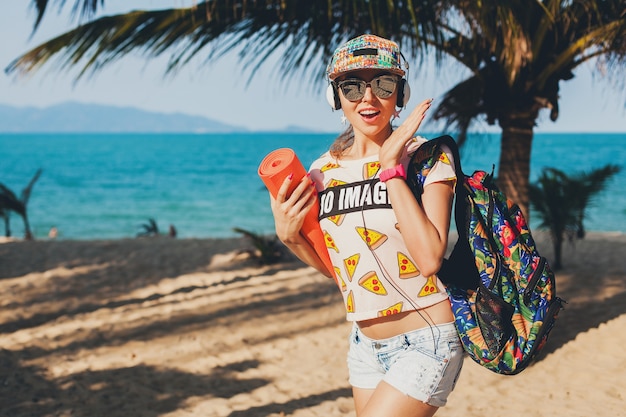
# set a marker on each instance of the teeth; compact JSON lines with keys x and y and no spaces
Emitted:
{"x":368,"y":112}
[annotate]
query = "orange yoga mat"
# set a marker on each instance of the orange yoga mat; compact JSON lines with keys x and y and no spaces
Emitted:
{"x":273,"y":170}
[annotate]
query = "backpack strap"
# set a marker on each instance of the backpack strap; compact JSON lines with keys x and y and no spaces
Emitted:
{"x":459,"y":269}
{"x":425,"y":157}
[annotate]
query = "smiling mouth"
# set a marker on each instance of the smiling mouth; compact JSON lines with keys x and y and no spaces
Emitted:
{"x":369,"y":114}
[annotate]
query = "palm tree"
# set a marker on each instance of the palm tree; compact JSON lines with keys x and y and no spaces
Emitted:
{"x":561,"y":200}
{"x":516,"y":51}
{"x":267,"y":247}
{"x":10,"y":202}
{"x":149,"y":229}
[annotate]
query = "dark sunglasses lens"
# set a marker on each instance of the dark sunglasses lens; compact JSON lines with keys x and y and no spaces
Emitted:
{"x":353,"y":90}
{"x":384,"y":86}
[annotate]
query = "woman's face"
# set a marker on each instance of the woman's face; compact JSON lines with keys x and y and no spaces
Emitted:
{"x":370,"y":114}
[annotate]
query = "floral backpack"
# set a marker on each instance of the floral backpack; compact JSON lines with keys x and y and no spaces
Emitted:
{"x":503,"y":293}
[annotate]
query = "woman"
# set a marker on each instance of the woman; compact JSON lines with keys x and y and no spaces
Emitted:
{"x":385,"y":246}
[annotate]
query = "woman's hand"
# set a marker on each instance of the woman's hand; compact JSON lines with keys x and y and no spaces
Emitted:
{"x":391,"y":151}
{"x":290,"y":210}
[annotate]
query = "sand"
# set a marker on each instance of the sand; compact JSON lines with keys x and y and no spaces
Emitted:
{"x":185,"y":327}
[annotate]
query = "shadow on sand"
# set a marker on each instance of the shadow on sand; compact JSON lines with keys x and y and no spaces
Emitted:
{"x":28,"y":390}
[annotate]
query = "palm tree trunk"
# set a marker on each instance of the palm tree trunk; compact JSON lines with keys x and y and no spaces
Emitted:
{"x":28,"y":235}
{"x":514,"y":168}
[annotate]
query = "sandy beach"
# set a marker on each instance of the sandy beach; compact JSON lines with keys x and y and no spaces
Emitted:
{"x":196,"y":327}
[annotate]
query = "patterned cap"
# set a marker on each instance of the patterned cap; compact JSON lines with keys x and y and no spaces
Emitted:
{"x":365,"y":52}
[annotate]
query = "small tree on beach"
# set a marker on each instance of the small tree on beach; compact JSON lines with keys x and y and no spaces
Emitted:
{"x":10,"y":202}
{"x":561,"y":200}
{"x":149,"y":229}
{"x":268,"y":250}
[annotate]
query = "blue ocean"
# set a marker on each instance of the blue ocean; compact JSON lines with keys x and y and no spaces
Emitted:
{"x":106,"y":186}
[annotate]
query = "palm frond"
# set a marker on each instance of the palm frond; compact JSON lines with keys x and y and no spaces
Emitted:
{"x":84,"y":9}
{"x":303,"y":32}
{"x":25,"y":196}
{"x":561,"y":200}
{"x":149,"y":229}
{"x":549,"y":197}
{"x":10,"y":202}
{"x":460,"y":105}
{"x":590,"y":183}
{"x":268,"y":249}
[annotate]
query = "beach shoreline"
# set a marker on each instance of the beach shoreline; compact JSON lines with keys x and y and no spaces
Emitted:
{"x":196,"y":327}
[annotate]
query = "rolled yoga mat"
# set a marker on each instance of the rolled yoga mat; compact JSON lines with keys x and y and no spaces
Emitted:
{"x":273,"y":170}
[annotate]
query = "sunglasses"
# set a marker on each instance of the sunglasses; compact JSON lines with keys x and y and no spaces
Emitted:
{"x":383,"y":86}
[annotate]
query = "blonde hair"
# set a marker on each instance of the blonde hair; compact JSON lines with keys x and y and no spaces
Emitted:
{"x":342,"y":143}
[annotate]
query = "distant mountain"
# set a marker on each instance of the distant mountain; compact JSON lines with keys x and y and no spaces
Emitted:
{"x":91,"y":118}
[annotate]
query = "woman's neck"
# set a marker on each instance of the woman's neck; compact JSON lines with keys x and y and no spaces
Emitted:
{"x":364,"y":146}
{"x":360,"y":150}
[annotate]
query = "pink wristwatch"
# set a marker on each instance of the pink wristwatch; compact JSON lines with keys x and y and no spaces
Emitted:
{"x":397,"y":171}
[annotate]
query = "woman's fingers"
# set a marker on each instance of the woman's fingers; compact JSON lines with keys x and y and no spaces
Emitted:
{"x":290,"y":211}
{"x":291,"y":203}
{"x":296,"y":195}
{"x":394,"y":146}
{"x":415,"y":118}
{"x":304,"y":204}
{"x":281,"y":195}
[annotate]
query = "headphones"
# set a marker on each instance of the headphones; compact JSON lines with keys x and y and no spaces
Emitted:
{"x":404,"y":93}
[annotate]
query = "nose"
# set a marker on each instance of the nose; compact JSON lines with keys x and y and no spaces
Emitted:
{"x":368,"y":95}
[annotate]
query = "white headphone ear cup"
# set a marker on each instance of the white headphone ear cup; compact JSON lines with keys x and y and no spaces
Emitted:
{"x":406,"y":94}
{"x":331,"y":98}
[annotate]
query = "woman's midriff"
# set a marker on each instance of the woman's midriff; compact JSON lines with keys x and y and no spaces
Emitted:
{"x":386,"y":327}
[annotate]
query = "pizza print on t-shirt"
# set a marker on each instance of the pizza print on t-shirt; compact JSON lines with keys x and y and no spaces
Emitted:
{"x":390,"y":311}
{"x":334,"y":183}
{"x":340,"y":282}
{"x":350,"y":263}
{"x":329,"y":166}
{"x":330,"y":242}
{"x":372,"y":238}
{"x":406,"y":268}
{"x":371,"y":283}
{"x":430,"y":287}
{"x":444,"y":158}
{"x":350,"y":302}
{"x":370,"y":169}
{"x":337,"y":218}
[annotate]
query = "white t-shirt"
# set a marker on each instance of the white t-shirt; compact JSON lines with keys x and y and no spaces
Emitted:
{"x":375,"y":272}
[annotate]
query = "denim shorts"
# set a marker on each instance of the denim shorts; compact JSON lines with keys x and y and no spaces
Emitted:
{"x":424,"y":364}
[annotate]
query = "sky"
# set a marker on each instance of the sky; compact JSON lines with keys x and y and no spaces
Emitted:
{"x":219,"y":90}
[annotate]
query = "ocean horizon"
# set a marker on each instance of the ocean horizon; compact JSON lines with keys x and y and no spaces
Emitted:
{"x":106,"y":186}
